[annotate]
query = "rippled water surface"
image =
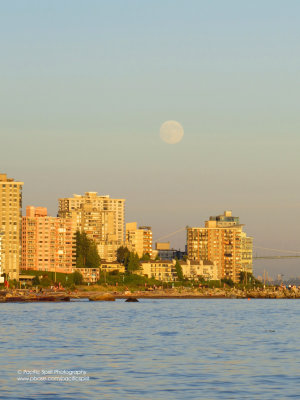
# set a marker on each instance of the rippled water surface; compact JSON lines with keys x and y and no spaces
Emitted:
{"x":154,"y":349}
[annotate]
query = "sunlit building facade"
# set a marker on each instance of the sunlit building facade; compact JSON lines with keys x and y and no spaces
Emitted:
{"x":100,"y":217}
{"x":139,"y":240}
{"x":10,"y":225}
{"x":89,"y":275}
{"x":161,"y":270}
{"x":247,"y":253}
{"x":221,"y":240}
{"x":1,"y":271}
{"x":194,"y":269}
{"x":48,"y":243}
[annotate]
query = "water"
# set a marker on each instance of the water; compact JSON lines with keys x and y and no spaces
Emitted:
{"x":154,"y":349}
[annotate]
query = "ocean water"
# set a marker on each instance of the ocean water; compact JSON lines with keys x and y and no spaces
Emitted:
{"x":154,"y":349}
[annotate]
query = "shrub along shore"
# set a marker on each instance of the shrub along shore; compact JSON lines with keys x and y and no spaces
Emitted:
{"x":50,"y":286}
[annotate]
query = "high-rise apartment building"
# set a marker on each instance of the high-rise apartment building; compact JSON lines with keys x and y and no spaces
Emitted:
{"x":48,"y":243}
{"x":247,"y":253}
{"x":139,"y":240}
{"x":10,"y":224}
{"x":100,"y":217}
{"x":1,"y":271}
{"x":222,"y":240}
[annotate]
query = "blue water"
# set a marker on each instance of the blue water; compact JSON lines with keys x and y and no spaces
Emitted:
{"x":154,"y":349}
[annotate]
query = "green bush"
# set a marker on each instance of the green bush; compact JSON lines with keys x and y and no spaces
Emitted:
{"x":128,"y":279}
{"x":47,"y":278}
{"x":229,"y":282}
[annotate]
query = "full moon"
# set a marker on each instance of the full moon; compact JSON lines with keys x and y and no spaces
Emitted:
{"x":171,"y":132}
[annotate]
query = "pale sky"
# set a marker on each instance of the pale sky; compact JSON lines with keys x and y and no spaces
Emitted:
{"x":86,"y":85}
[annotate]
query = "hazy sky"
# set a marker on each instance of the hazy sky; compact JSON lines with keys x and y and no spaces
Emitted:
{"x":85,"y":86}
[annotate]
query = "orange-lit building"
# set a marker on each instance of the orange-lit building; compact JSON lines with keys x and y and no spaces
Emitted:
{"x":223,"y":241}
{"x":139,"y":240}
{"x":10,"y":225}
{"x":47,"y":242}
{"x":100,"y":217}
{"x":89,"y":275}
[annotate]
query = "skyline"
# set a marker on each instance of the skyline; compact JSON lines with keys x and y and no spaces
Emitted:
{"x":86,"y":88}
{"x":150,"y":198}
{"x":107,"y":194}
{"x":274,"y":267}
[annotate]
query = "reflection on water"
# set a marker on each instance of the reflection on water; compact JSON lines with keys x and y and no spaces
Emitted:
{"x":162,"y":349}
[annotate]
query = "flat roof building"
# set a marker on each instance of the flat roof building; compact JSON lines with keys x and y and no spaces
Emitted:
{"x":100,"y":217}
{"x":48,"y":243}
{"x":10,"y":225}
{"x":139,"y":240}
{"x":221,"y":240}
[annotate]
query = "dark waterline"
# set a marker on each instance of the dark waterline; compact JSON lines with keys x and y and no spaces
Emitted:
{"x":154,"y":349}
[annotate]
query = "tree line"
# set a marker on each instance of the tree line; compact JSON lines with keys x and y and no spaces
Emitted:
{"x":87,"y":255}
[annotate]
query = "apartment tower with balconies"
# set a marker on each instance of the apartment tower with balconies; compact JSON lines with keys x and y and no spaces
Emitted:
{"x":48,"y":243}
{"x":139,"y":240}
{"x":10,"y":225}
{"x":100,"y":217}
{"x":222,"y":240}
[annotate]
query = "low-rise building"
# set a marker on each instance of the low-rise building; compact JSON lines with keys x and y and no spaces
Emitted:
{"x":89,"y":275}
{"x":161,"y":270}
{"x":194,"y":269}
{"x":165,"y":270}
{"x":162,"y":246}
{"x":111,"y":266}
{"x":164,"y":251}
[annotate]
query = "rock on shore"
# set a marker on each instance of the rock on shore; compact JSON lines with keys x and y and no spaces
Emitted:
{"x":102,"y":297}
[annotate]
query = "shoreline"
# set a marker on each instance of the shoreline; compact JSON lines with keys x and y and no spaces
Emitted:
{"x":50,"y":295}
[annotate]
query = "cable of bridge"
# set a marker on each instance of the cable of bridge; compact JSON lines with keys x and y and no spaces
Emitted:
{"x":281,"y":251}
{"x":171,"y":234}
{"x":255,"y":247}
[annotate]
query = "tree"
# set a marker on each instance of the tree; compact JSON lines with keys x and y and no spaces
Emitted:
{"x":228,"y":281}
{"x":179,"y":271}
{"x":122,"y":255}
{"x":86,"y":252}
{"x":145,"y":257}
{"x":92,"y":257}
{"x":36,"y":281}
{"x":77,"y":278}
{"x":133,"y":263}
{"x":248,"y":278}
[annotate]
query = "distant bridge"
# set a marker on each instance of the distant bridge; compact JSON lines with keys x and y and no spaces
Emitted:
{"x":290,"y":253}
{"x":274,"y":257}
{"x":296,"y":254}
